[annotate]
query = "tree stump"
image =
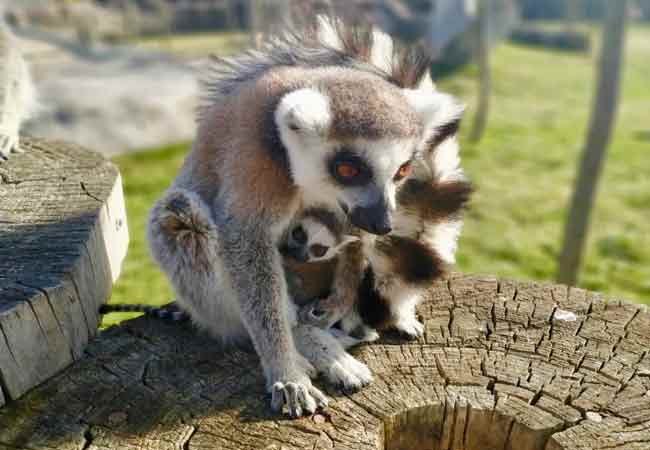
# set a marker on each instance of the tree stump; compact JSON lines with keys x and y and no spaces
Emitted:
{"x":503,"y":365}
{"x":63,"y":236}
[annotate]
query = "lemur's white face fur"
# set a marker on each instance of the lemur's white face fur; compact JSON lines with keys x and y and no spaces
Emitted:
{"x":311,"y":241}
{"x":358,"y":175}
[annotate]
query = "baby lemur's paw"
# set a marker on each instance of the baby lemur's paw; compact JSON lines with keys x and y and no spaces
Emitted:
{"x":348,"y":374}
{"x":9,"y":143}
{"x":409,"y":327}
{"x":300,"y":396}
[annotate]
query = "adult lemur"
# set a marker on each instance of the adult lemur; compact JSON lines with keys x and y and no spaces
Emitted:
{"x":329,"y":117}
{"x":16,"y":91}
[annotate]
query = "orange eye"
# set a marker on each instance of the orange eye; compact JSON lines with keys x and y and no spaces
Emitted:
{"x":347,"y":170}
{"x":404,"y":171}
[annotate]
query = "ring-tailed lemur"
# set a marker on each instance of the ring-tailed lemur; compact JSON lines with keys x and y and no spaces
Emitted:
{"x":328,"y":116}
{"x":17,"y":94}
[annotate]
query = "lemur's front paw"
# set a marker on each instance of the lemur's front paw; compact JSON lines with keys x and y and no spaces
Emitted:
{"x":409,"y":327}
{"x":9,"y":143}
{"x":305,"y":366}
{"x":348,"y":374}
{"x":344,"y":339}
{"x":300,"y":396}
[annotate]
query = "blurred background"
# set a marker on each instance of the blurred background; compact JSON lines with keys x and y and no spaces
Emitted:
{"x":556,"y":135}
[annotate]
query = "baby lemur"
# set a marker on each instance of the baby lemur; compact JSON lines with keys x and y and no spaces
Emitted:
{"x":17,"y":94}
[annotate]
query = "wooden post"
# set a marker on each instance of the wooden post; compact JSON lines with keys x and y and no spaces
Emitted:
{"x":484,"y":78}
{"x":63,"y":236}
{"x":502,"y":365}
{"x":598,"y":137}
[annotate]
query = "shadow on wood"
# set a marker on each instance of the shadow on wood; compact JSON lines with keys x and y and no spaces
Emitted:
{"x":62,"y":239}
{"x":502,"y":365}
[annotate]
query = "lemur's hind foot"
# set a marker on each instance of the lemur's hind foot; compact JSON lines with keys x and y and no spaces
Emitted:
{"x":184,"y":214}
{"x":183,"y":222}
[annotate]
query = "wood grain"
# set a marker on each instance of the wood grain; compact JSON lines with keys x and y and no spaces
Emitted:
{"x":503,"y":365}
{"x":63,"y":236}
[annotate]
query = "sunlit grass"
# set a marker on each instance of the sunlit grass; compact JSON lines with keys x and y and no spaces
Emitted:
{"x":523,"y":170}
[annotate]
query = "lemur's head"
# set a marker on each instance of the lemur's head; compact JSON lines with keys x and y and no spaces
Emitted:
{"x":351,"y":138}
{"x":317,"y":235}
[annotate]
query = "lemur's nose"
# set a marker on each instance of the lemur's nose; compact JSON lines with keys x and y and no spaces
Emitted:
{"x":374,"y":219}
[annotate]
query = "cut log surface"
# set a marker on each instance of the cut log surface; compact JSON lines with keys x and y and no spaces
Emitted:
{"x":63,"y":236}
{"x":503,"y":365}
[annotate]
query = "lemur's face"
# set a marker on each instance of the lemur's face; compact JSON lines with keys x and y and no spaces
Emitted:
{"x":358,"y":175}
{"x":366,"y":174}
{"x":311,"y":241}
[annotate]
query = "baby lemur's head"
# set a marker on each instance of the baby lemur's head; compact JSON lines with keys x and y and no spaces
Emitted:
{"x":317,"y":235}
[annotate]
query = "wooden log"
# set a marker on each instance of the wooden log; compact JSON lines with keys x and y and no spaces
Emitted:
{"x":63,"y":236}
{"x":502,"y":365}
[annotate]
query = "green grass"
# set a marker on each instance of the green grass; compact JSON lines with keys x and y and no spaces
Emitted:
{"x":523,"y":169}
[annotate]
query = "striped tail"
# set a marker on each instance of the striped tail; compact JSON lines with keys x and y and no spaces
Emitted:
{"x":168,"y":312}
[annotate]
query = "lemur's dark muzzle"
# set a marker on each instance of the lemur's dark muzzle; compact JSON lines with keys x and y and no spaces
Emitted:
{"x":375,"y":219}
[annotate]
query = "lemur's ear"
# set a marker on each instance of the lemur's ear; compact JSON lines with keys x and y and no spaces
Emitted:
{"x":437,"y":111}
{"x":304,"y":111}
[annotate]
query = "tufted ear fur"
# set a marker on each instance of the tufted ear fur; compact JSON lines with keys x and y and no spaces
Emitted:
{"x":435,"y":109}
{"x":305,"y":111}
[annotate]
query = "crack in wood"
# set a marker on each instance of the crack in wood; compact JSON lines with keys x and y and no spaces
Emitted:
{"x":504,"y":396}
{"x":82,"y":303}
{"x":85,"y":190}
{"x":185,"y":444}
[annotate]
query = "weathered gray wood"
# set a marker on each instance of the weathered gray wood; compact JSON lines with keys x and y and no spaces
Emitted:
{"x":502,"y":365}
{"x":63,"y":236}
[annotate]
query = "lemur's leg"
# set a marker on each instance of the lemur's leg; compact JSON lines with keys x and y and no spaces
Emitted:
{"x":17,"y":94}
{"x":255,"y":269}
{"x":327,"y":353}
{"x":184,"y":241}
{"x":229,"y":278}
{"x":349,"y":271}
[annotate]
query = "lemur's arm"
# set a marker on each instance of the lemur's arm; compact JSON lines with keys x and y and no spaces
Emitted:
{"x":349,"y":271}
{"x":255,"y":269}
{"x":17,"y":96}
